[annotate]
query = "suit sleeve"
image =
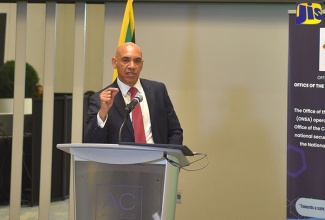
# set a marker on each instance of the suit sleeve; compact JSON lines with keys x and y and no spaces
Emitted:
{"x":94,"y":133}
{"x":175,"y":132}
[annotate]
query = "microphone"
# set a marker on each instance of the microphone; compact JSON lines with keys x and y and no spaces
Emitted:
{"x":129,"y":107}
{"x":137,"y":99}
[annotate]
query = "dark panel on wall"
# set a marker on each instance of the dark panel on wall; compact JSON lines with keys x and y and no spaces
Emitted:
{"x":60,"y":160}
{"x":3,"y":18}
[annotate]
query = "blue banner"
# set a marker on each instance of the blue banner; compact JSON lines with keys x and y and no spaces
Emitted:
{"x":306,"y":121}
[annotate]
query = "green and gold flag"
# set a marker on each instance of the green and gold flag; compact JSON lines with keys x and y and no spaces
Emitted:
{"x":127,"y":29}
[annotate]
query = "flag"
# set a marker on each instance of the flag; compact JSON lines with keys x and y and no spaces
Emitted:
{"x":127,"y":29}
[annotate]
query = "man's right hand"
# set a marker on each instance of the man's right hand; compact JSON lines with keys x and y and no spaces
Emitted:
{"x":106,"y":98}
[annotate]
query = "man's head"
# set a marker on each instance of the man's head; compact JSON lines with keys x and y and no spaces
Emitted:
{"x":38,"y":91}
{"x":128,"y":62}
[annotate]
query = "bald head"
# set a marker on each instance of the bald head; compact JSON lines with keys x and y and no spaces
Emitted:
{"x":128,"y":62}
{"x":127,"y":46}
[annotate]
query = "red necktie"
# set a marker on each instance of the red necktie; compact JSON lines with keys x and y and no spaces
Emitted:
{"x":137,"y":119}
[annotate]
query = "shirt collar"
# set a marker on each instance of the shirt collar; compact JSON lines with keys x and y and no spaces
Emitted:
{"x":125,"y":88}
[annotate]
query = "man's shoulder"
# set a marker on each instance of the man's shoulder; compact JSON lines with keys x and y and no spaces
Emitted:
{"x":151,"y":82}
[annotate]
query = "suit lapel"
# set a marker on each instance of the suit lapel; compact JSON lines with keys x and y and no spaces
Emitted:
{"x":147,"y":88}
{"x":120,"y":106}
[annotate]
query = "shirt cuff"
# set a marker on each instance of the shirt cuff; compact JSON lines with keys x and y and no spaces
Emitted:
{"x":101,"y":123}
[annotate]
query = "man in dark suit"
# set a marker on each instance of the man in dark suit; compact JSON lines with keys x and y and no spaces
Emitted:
{"x":107,"y":107}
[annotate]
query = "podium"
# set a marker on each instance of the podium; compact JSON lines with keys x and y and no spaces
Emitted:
{"x":125,"y":181}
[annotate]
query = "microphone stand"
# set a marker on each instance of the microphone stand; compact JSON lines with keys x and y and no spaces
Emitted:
{"x":120,"y":132}
{"x":128,"y":110}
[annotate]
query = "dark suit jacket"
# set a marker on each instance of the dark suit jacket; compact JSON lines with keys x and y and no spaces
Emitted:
{"x":165,"y":125}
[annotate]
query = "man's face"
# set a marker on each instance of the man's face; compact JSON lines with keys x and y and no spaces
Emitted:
{"x":128,"y":62}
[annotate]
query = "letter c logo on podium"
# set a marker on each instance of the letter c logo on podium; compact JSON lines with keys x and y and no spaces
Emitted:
{"x":117,"y":202}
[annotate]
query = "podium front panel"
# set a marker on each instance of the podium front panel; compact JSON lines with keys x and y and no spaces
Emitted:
{"x":114,"y":192}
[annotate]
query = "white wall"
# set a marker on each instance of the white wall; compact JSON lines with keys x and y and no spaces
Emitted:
{"x":35,"y":35}
{"x":225,"y":66}
{"x":226,"y":69}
